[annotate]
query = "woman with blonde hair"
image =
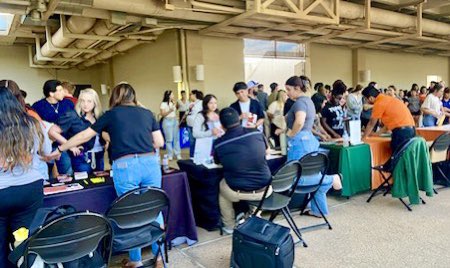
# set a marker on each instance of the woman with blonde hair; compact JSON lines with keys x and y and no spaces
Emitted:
{"x":22,"y":145}
{"x":135,"y":135}
{"x":89,"y":156}
{"x":275,"y":114}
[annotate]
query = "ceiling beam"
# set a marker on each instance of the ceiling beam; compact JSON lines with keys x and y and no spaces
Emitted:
{"x":435,"y":4}
{"x":50,"y":9}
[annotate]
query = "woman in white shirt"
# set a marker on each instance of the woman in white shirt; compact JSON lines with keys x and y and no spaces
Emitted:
{"x":170,"y":125}
{"x":355,"y":103}
{"x":432,"y":107}
{"x":207,"y":123}
{"x":275,"y":113}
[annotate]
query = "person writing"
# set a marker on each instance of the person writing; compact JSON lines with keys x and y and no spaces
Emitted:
{"x":394,"y":115}
{"x":333,"y":114}
{"x":135,"y":163}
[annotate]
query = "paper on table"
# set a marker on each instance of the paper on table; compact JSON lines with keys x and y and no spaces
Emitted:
{"x":212,"y":165}
{"x":80,"y":175}
{"x":355,"y":132}
{"x":203,"y":149}
{"x":271,"y":156}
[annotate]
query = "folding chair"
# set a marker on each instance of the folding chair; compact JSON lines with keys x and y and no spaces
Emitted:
{"x":439,"y":156}
{"x":70,"y":238}
{"x":283,"y":183}
{"x":389,"y":167}
{"x":314,"y":163}
{"x":133,"y":218}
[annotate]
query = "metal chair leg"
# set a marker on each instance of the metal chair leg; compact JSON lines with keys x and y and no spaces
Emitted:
{"x":406,"y":205}
{"x":323,"y":216}
{"x":273,"y":215}
{"x":294,"y":227}
{"x":423,"y":201}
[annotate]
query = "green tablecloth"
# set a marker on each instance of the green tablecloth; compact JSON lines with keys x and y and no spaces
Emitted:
{"x":354,"y":163}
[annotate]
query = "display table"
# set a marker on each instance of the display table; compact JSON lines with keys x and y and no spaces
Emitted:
{"x":431,"y":133}
{"x":354,"y":163}
{"x":381,"y":152}
{"x":98,"y":197}
{"x":204,"y":185}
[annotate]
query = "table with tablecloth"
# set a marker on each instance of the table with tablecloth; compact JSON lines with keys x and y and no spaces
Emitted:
{"x":381,"y":152}
{"x":354,"y":163}
{"x":97,"y":197}
{"x":204,"y":186}
{"x":431,"y":133}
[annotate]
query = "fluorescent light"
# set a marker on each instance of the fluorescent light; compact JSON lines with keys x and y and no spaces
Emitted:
{"x":5,"y":23}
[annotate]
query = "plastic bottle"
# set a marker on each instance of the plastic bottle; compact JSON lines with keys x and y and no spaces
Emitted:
{"x":346,"y":139}
{"x":165,"y":162}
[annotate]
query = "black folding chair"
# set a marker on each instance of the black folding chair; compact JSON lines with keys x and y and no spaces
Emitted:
{"x":71,"y":237}
{"x":313,"y":164}
{"x":283,"y":184}
{"x":439,"y":156}
{"x":389,"y":167}
{"x":133,"y":218}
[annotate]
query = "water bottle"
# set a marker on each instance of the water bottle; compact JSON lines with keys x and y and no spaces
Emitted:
{"x":346,"y":139}
{"x":165,"y":163}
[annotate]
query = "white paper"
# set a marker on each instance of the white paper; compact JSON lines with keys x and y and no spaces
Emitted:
{"x":80,"y":175}
{"x":203,"y":149}
{"x":272,"y":156}
{"x":212,"y":165}
{"x":355,"y":132}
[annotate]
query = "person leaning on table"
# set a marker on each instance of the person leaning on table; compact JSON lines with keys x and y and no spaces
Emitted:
{"x":133,"y":144}
{"x":393,"y":113}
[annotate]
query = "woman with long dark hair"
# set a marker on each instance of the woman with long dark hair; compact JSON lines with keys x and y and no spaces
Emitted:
{"x":22,"y":145}
{"x":301,"y":141}
{"x":135,"y":136}
{"x":207,"y":123}
{"x":168,"y":111}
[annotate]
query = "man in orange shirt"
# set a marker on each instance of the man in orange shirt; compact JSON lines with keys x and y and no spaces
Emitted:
{"x":394,"y":115}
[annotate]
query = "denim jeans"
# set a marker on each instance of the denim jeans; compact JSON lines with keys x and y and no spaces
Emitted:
{"x":301,"y":144}
{"x":132,"y":173}
{"x":172,"y":136}
{"x":83,"y":162}
{"x":321,"y":194}
{"x":429,"y":120}
{"x":298,"y":146}
{"x":191,"y":142}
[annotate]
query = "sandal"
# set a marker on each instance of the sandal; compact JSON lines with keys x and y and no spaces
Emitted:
{"x":308,"y":213}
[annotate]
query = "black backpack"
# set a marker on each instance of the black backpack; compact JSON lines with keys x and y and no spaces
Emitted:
{"x":43,"y":216}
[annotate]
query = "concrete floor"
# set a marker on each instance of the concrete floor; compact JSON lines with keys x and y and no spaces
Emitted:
{"x":379,"y":234}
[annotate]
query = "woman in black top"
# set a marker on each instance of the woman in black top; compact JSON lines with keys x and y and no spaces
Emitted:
{"x":89,"y":157}
{"x":135,"y":135}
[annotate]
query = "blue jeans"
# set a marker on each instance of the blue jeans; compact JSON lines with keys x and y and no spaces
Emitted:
{"x":83,"y":162}
{"x":63,"y":165}
{"x":301,"y":144}
{"x":191,"y":142}
{"x":172,"y":136}
{"x":298,"y":146}
{"x":429,"y":120}
{"x":132,"y":173}
{"x":321,"y":194}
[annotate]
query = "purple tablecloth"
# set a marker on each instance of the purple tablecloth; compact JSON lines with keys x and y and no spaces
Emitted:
{"x":181,"y":226}
{"x":204,"y":186}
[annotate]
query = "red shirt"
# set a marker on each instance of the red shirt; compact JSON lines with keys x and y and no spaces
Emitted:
{"x":72,"y":99}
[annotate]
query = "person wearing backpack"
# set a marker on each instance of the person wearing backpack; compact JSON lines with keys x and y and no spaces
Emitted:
{"x":133,"y":145}
{"x":22,"y":144}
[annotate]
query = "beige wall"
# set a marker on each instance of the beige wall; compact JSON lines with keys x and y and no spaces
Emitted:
{"x":14,"y":65}
{"x":329,"y":63}
{"x":148,"y":68}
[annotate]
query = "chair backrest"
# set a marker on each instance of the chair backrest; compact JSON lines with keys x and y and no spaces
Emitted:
{"x":286,"y":176}
{"x":399,"y":152}
{"x":314,"y":163}
{"x":138,"y":207}
{"x":439,"y":148}
{"x":71,"y":237}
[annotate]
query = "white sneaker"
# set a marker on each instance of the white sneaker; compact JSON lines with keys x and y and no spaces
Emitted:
{"x":227,"y":231}
{"x":170,"y":158}
{"x":179,"y":157}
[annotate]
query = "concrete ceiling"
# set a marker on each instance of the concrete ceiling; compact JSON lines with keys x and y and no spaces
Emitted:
{"x":416,"y":26}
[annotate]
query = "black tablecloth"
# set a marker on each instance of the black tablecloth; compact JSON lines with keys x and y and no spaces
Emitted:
{"x":204,"y":185}
{"x":98,"y":197}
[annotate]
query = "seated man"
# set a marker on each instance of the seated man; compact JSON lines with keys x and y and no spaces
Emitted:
{"x":244,"y":180}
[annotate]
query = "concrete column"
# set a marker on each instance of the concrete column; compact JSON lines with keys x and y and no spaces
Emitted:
{"x":361,"y":73}
{"x":194,"y":50}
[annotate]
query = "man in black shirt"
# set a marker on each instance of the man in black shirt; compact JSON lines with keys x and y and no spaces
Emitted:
{"x":244,"y":180}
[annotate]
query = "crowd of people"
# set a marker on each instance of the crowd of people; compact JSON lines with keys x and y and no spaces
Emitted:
{"x":63,"y":134}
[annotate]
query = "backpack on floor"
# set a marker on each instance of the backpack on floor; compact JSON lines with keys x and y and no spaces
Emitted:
{"x":43,"y":216}
{"x":263,"y":244}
